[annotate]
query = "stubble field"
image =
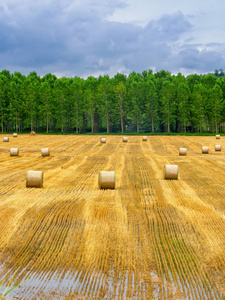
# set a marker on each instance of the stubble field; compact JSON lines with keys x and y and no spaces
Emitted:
{"x":149,"y":238}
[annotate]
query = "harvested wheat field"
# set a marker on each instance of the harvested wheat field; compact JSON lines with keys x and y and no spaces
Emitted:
{"x":149,"y":238}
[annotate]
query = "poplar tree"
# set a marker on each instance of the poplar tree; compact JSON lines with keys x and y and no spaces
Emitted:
{"x":167,"y":105}
{"x":120,"y":92}
{"x":183,"y":107}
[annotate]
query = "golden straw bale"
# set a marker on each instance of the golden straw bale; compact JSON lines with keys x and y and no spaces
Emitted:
{"x":183,"y":151}
{"x":217,"y":147}
{"x":32,"y":133}
{"x":15,"y":134}
{"x":144,"y":138}
{"x":106,"y":179}
{"x":217,"y":136}
{"x":205,"y":150}
{"x":5,"y":139}
{"x":45,"y":152}
{"x":34,"y":179}
{"x":103,"y":140}
{"x":171,"y":171}
{"x":14,"y":151}
{"x":125,"y":139}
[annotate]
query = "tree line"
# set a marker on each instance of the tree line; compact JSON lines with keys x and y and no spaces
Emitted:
{"x":138,"y":102}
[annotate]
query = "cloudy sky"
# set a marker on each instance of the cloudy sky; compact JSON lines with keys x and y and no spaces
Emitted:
{"x":92,"y":37}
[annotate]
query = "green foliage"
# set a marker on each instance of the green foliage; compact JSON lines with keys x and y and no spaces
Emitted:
{"x":183,"y":106}
{"x":167,"y":104}
{"x":140,"y":102}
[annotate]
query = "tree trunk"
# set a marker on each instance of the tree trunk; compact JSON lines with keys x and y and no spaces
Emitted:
{"x":168,"y":124}
{"x":61,"y":118}
{"x":92,"y":122}
{"x":77,"y":121}
{"x":16,"y":120}
{"x":152,"y":121}
{"x":121,"y":120}
{"x":31,"y":118}
{"x":137,"y":122}
{"x":108,"y":123}
{"x":47,"y":123}
{"x":84,"y":125}
{"x":47,"y":115}
{"x":96,"y":122}
{"x":2,"y":121}
{"x":1,"y":115}
{"x":31,"y":123}
{"x":123,"y":124}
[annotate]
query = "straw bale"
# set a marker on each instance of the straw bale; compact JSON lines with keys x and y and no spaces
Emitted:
{"x":5,"y":139}
{"x":217,"y":147}
{"x":45,"y":152}
{"x":34,"y":179}
{"x":15,"y":134}
{"x":14,"y":151}
{"x":125,"y":139}
{"x":32,"y":133}
{"x":103,"y":140}
{"x":205,"y":150}
{"x":183,"y":151}
{"x":144,"y":138}
{"x":106,"y":179}
{"x":171,"y":171}
{"x":217,"y":136}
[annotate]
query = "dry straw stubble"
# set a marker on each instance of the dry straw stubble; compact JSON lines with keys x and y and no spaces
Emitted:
{"x":14,"y":152}
{"x":171,"y":171}
{"x":34,"y":179}
{"x":106,"y":179}
{"x":137,"y":241}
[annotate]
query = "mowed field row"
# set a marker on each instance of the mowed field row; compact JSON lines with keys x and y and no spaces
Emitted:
{"x":149,"y":238}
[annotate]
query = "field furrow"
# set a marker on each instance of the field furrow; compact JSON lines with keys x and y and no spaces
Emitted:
{"x":149,"y":238}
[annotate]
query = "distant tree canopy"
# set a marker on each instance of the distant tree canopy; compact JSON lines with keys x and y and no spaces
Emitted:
{"x":219,"y":73}
{"x":139,"y":102}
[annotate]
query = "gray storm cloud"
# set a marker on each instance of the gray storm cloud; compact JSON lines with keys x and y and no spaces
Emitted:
{"x":74,"y":38}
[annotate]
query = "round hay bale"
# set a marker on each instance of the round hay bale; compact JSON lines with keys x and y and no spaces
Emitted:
{"x":34,"y":179}
{"x":45,"y":152}
{"x":15,"y":134}
{"x":125,"y":139}
{"x":217,"y":136}
{"x":217,"y":147}
{"x":14,"y":151}
{"x":144,"y":138}
{"x":5,"y":139}
{"x":183,"y":151}
{"x":32,"y":133}
{"x":171,"y":171}
{"x":103,"y":140}
{"x":106,"y":179}
{"x":205,"y":150}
